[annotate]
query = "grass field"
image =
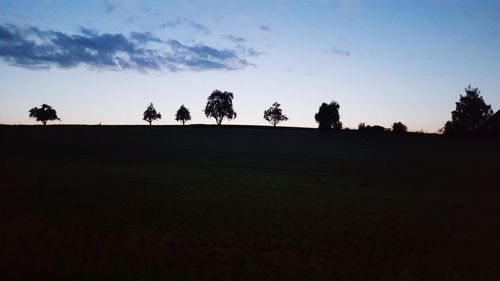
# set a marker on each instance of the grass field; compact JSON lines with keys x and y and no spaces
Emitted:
{"x":246,"y":203}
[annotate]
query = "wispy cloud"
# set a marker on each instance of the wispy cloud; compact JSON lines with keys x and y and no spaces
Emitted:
{"x":108,"y":6}
{"x":251,"y":52}
{"x":235,"y":39}
{"x":144,"y":37}
{"x":339,"y":52}
{"x":30,"y":47}
{"x":265,"y":28}
{"x":199,"y":27}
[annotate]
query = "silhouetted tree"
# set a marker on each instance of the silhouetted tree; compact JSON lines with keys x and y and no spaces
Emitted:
{"x":492,"y":126}
{"x":44,"y":113}
{"x":274,"y":114}
{"x":399,"y":127}
{"x":470,"y":114}
{"x":220,"y":105}
{"x":182,"y":115}
{"x":361,"y":126}
{"x":328,"y":116}
{"x":150,"y":114}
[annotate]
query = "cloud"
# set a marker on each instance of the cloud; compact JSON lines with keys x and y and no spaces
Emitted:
{"x":30,"y":47}
{"x":108,"y":6}
{"x":235,"y":39}
{"x":88,"y":31}
{"x":339,"y":52}
{"x":144,"y":37}
{"x":186,"y":22}
{"x":265,"y":28}
{"x":251,"y":52}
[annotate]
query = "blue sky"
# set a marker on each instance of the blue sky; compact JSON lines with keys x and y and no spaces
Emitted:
{"x":383,"y":61}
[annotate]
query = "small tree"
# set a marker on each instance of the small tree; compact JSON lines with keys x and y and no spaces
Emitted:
{"x":328,"y":116}
{"x":399,"y":127}
{"x":470,"y":114}
{"x":150,"y":114}
{"x":274,"y":114}
{"x":361,"y":126}
{"x":182,"y":115}
{"x":44,"y":113}
{"x":220,"y":105}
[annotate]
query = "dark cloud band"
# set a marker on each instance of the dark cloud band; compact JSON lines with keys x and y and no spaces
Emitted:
{"x":30,"y":47}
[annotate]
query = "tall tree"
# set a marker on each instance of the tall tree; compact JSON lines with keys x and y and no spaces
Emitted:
{"x":220,"y":106}
{"x":328,"y":116}
{"x":150,"y":114}
{"x":274,"y":114}
{"x":44,"y":113}
{"x":183,"y":115}
{"x":470,"y":114}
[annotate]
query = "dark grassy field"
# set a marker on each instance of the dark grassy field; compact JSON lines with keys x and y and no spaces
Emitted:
{"x":236,"y":203}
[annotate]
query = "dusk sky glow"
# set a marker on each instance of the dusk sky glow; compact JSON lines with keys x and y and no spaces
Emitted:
{"x":383,"y":61}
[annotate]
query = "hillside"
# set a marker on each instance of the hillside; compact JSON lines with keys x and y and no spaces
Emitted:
{"x":246,"y":203}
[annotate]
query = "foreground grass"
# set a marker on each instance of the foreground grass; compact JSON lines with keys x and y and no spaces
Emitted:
{"x":207,"y":203}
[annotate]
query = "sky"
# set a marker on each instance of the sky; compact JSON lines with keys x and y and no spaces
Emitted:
{"x":383,"y":61}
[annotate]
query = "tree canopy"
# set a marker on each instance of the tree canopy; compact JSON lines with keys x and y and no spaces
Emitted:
{"x":399,"y":127}
{"x":183,"y":115}
{"x":328,"y":116}
{"x":220,"y":106}
{"x":150,"y":114}
{"x":44,"y":113}
{"x":274,"y":114}
{"x":492,"y":126}
{"x":470,"y":114}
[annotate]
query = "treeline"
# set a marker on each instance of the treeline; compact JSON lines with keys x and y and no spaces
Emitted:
{"x":471,"y":116}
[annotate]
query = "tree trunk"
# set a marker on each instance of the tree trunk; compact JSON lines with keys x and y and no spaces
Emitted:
{"x":150,"y":122}
{"x":183,"y":123}
{"x":44,"y":123}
